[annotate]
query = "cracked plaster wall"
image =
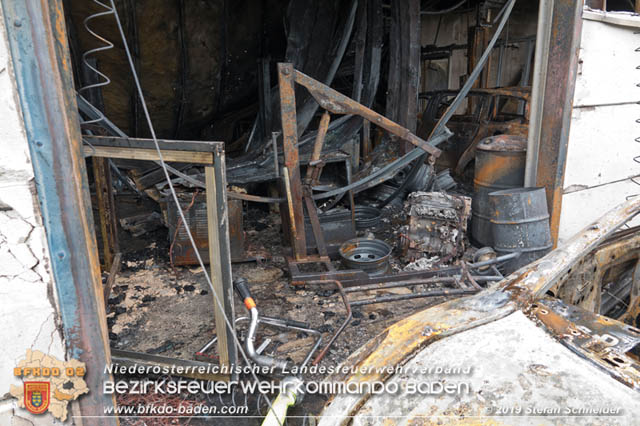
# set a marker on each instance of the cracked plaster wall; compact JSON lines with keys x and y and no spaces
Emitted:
{"x":28,"y":309}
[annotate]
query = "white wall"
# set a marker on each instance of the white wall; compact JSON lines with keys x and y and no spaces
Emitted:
{"x":602,"y":145}
{"x":28,"y":313}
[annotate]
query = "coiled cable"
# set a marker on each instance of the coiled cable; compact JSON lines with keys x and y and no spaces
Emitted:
{"x":103,"y":79}
{"x":635,"y":179}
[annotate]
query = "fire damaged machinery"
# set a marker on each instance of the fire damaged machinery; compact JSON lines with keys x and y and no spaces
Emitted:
{"x":437,"y":225}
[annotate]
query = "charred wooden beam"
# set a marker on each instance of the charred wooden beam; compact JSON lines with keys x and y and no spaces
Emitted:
{"x":404,"y":64}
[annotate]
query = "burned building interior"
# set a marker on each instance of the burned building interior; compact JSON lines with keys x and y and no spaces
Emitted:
{"x":363,"y":160}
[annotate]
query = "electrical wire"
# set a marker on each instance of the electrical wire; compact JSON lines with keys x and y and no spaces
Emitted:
{"x":106,"y":46}
{"x":175,"y":196}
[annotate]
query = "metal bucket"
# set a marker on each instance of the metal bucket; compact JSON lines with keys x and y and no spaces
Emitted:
{"x":520,"y":223}
{"x":500,"y":162}
{"x":370,"y":256}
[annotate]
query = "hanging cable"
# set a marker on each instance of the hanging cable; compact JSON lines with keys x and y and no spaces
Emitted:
{"x":145,"y":110}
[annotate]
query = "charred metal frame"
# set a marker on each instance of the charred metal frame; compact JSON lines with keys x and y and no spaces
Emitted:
{"x":211,"y":155}
{"x":559,"y":33}
{"x":40,"y":56}
{"x":295,"y":190}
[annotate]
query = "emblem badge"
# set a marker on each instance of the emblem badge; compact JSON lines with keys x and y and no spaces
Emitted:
{"x":36,"y":396}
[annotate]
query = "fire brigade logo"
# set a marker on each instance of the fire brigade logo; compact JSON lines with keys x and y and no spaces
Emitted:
{"x":48,"y":384}
{"x":36,"y":397}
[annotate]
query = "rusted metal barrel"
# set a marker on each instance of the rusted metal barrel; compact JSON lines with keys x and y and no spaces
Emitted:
{"x":520,"y":223}
{"x":500,"y":162}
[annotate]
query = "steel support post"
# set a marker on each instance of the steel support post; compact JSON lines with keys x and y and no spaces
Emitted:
{"x":557,"y":103}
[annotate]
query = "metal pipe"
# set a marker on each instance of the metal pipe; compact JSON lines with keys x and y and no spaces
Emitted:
{"x":493,"y":261}
{"x":276,"y":322}
{"x":541,"y":62}
{"x":398,"y":297}
{"x":344,"y":324}
{"x":261,"y":360}
{"x":411,"y":283}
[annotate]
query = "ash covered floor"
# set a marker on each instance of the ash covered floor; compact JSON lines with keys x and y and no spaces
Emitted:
{"x":157,"y":309}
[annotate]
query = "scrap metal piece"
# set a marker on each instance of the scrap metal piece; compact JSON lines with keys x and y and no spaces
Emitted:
{"x":437,"y":224}
{"x":366,"y":217}
{"x":113,"y":272}
{"x":432,"y":293}
{"x":443,"y":181}
{"x":336,"y":226}
{"x":141,"y":224}
{"x":605,"y":342}
{"x":402,"y":281}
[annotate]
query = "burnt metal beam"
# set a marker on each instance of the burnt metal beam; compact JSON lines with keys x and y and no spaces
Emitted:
{"x":292,"y":182}
{"x":557,"y":104}
{"x":40,"y":53}
{"x":336,"y":102}
{"x":148,"y":144}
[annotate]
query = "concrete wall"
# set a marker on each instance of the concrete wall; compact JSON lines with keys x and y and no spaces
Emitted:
{"x":600,"y":170}
{"x":28,"y":312}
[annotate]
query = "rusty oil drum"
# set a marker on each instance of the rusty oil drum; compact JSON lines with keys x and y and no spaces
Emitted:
{"x":500,"y":162}
{"x":520,"y":223}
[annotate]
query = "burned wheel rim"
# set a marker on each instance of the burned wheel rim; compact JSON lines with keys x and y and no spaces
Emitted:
{"x":370,"y":256}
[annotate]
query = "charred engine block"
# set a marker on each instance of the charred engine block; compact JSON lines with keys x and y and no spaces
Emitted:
{"x":437,"y":223}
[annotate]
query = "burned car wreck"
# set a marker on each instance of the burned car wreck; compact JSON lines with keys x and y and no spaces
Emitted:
{"x":538,"y":340}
